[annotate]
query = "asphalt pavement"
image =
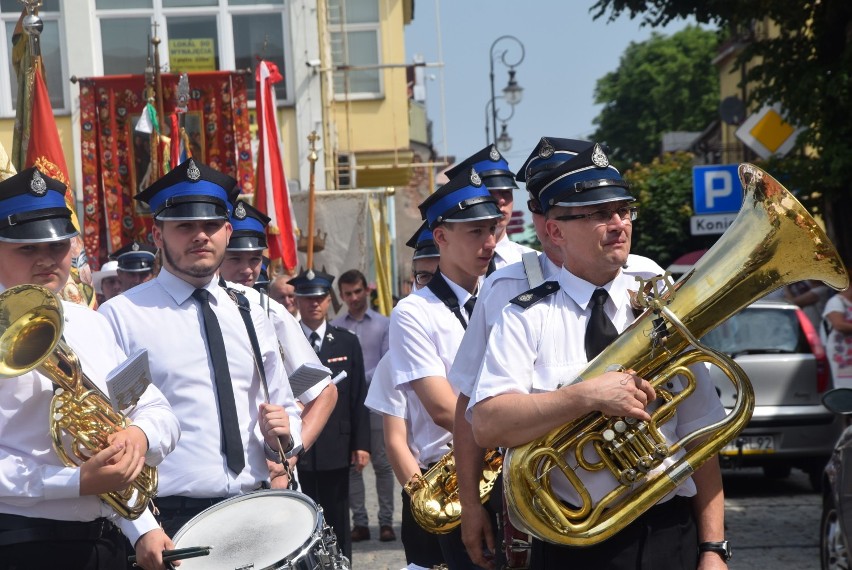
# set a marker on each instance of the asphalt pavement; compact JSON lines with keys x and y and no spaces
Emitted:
{"x":770,"y":524}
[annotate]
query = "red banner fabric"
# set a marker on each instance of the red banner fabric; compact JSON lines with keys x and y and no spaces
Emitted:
{"x":273,"y":196}
{"x":116,"y":159}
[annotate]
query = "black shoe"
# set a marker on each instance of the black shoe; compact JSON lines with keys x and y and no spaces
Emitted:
{"x":360,"y":533}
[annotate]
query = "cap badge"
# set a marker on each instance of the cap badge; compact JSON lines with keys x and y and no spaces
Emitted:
{"x":135,"y":246}
{"x":474,"y":178}
{"x":310,"y":274}
{"x":37,"y":184}
{"x":494,"y":154}
{"x":546,"y":150}
{"x":193,"y":172}
{"x":599,"y":157}
{"x":240,"y":211}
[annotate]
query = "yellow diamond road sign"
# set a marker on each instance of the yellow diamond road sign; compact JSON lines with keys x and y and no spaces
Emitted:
{"x":767,"y":133}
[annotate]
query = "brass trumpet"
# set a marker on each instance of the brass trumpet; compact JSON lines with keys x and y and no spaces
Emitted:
{"x":81,"y":417}
{"x":772,"y":242}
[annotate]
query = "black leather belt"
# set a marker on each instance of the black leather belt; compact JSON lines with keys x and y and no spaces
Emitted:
{"x":176,"y":503}
{"x":15,"y":529}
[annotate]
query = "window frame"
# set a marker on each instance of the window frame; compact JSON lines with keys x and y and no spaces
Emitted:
{"x":224,"y":29}
{"x":7,"y":108}
{"x":345,"y":28}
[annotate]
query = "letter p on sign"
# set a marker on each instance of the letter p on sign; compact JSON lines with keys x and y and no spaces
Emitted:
{"x":716,"y":189}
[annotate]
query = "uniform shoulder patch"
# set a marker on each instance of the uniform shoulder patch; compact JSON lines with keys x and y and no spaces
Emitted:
{"x":536,"y":294}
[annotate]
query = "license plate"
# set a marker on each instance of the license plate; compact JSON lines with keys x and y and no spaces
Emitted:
{"x":750,"y":444}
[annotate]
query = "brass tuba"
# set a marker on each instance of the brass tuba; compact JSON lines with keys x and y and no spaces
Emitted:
{"x":772,"y":242}
{"x":81,"y":417}
{"x":435,"y":494}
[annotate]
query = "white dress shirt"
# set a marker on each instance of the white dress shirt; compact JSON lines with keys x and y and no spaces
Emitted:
{"x":496,"y":291}
{"x":547,"y":351}
{"x":424,"y":338}
{"x":33,"y":480}
{"x":161,"y":315}
{"x":295,"y":348}
{"x":508,"y":252}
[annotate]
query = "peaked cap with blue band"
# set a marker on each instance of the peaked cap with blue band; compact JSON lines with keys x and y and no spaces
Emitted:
{"x":549,"y":153}
{"x":135,"y":257}
{"x":312,"y":283}
{"x":587,"y":179}
{"x":33,"y":209}
{"x":462,"y":199}
{"x":423,"y":243}
{"x":492,"y":168}
{"x":249,"y":225}
{"x":191,"y":191}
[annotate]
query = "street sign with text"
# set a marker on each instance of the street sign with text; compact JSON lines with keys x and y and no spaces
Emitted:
{"x":716,"y":189}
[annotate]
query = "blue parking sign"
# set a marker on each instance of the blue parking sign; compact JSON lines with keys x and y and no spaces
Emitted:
{"x":716,"y":189}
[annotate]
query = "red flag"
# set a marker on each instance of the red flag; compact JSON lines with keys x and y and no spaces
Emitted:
{"x":44,"y":149}
{"x":273,"y":196}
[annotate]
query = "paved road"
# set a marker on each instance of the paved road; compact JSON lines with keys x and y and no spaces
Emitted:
{"x":772,"y":525}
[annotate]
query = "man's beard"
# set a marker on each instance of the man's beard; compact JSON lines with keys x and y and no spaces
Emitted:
{"x":192,"y":271}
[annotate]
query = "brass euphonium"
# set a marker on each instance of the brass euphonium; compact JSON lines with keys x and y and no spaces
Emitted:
{"x":772,"y":242}
{"x":435,"y":494}
{"x":81,"y":417}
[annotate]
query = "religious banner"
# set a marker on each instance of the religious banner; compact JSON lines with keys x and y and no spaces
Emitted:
{"x":115,"y":157}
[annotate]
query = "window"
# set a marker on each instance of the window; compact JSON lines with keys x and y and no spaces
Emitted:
{"x":354,"y":30}
{"x":196,"y":35}
{"x":56,"y":76}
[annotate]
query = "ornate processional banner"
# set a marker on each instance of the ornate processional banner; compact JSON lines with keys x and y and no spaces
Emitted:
{"x":116,"y":158}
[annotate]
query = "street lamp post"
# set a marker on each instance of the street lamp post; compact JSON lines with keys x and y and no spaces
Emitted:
{"x":513,"y":92}
{"x":504,"y":136}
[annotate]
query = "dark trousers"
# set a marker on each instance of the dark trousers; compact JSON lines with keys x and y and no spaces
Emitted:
{"x":175,"y":512}
{"x":330,"y":489}
{"x":30,"y":543}
{"x":421,"y":547}
{"x":663,"y":538}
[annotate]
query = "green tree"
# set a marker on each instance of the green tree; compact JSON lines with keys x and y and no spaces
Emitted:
{"x":667,"y":83}
{"x":663,"y":189}
{"x":806,"y":67}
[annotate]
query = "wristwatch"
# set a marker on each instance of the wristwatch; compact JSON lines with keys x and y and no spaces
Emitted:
{"x":722,"y":548}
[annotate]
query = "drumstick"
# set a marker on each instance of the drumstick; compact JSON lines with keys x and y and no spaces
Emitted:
{"x":179,"y":553}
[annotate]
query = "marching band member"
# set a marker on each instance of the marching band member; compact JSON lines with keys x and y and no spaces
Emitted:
{"x":50,"y":514}
{"x":202,"y":354}
{"x":135,"y":264}
{"x":494,"y":172}
{"x":427,"y":326}
{"x":546,"y":336}
{"x":240,"y":269}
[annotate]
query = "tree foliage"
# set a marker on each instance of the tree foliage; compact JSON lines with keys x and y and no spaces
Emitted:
{"x":807,"y":68}
{"x":667,"y":83}
{"x":663,"y":189}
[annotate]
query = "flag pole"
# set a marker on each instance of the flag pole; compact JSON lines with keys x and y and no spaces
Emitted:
{"x":312,"y":158}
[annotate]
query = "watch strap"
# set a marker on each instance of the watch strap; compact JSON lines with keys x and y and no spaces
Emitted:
{"x":723,"y":549}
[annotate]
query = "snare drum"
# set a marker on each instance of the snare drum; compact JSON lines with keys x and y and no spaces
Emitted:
{"x":267,"y":529}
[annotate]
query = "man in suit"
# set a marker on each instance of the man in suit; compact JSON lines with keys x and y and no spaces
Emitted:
{"x":345,"y":440}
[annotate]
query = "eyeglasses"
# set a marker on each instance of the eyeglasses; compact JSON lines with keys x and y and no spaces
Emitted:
{"x":422,"y":277}
{"x":600,"y":217}
{"x":534,"y":207}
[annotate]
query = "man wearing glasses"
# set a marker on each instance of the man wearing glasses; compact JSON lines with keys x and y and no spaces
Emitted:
{"x":544,"y":339}
{"x":426,"y":256}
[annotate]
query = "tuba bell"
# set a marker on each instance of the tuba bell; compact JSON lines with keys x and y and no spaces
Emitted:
{"x":772,"y":242}
{"x":81,"y":417}
{"x":434,"y":495}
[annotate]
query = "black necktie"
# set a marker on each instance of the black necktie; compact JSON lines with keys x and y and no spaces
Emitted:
{"x":468,"y":306}
{"x":492,"y":265}
{"x":314,"y":338}
{"x":600,"y":331}
{"x":232,"y":444}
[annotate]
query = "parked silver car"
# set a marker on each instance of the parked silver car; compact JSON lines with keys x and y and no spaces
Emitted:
{"x":836,"y":499}
{"x":777,"y":346}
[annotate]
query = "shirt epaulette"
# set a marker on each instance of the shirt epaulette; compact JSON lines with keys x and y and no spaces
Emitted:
{"x":529,"y":298}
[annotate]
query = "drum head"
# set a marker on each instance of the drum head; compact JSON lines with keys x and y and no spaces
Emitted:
{"x":260,"y":529}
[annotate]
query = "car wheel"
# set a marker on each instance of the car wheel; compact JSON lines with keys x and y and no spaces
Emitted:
{"x":834,"y":555}
{"x":777,"y":471}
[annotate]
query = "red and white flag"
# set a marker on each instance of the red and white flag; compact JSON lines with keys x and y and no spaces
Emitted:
{"x":273,"y":196}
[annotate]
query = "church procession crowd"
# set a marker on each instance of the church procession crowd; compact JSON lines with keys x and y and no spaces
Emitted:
{"x":258,"y":402}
